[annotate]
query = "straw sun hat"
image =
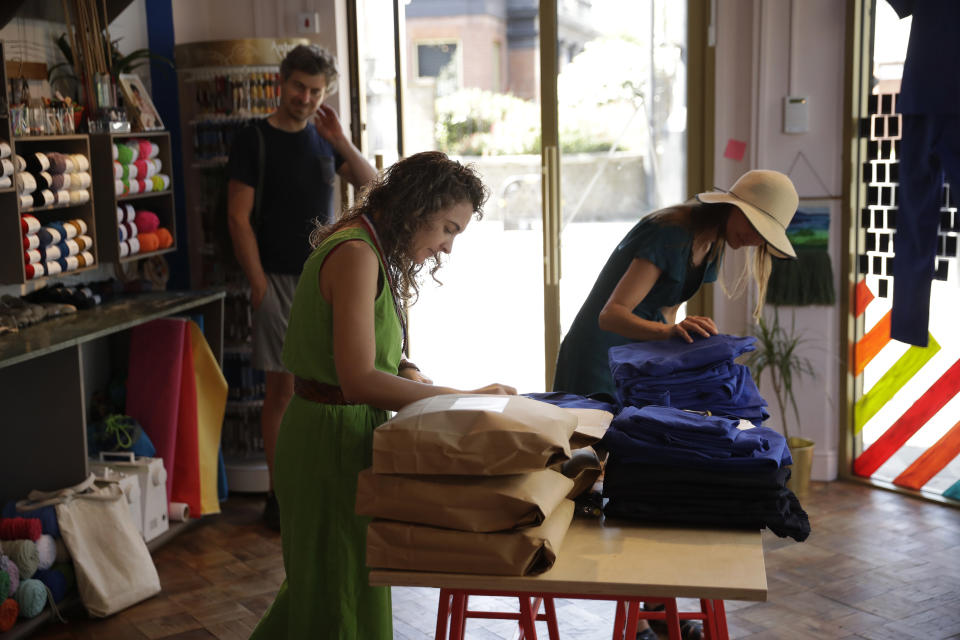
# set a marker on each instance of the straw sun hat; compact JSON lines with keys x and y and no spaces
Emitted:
{"x":769,"y":200}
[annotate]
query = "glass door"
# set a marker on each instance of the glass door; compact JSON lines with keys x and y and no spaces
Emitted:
{"x":621,"y":88}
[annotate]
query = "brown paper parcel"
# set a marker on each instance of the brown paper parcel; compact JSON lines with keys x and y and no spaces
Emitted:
{"x":467,"y":503}
{"x":473,"y":435}
{"x":591,"y":425}
{"x":398,"y":545}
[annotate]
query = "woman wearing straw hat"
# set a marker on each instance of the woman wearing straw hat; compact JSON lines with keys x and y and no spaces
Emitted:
{"x":663,"y":261}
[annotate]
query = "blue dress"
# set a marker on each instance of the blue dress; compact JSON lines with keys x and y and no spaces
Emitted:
{"x":582,"y":365}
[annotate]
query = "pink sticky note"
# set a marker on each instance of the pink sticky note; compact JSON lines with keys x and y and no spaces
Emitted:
{"x":735,"y":149}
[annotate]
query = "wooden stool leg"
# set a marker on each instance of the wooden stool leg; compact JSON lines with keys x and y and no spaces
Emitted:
{"x":528,"y":618}
{"x":552,"y":629}
{"x":443,"y":612}
{"x":672,"y":618}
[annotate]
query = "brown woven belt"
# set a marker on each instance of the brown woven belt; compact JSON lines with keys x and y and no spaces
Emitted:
{"x":318,"y":392}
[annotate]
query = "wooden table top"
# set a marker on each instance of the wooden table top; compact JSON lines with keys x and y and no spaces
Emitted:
{"x":618,"y":558}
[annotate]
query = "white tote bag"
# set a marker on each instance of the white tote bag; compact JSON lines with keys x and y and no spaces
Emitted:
{"x":113,"y":565}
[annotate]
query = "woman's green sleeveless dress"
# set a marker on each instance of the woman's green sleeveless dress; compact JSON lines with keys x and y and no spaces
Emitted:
{"x":320,"y":450}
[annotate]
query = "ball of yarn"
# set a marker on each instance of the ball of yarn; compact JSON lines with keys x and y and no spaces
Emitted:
{"x":4,"y":583}
{"x":9,"y":610}
{"x":55,"y":581}
{"x":14,"y":573}
{"x":165,"y":237}
{"x":149,"y":242}
{"x":24,"y":555}
{"x":46,"y":551}
{"x":32,"y":597}
{"x":20,"y":529}
{"x":147,"y":220}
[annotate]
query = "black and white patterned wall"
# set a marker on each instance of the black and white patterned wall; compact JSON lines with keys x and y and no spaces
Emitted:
{"x":878,"y":216}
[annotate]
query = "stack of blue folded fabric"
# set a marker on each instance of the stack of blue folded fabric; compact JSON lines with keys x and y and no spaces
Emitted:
{"x":673,"y":466}
{"x":700,"y":376}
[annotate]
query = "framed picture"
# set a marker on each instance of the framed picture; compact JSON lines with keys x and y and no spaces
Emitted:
{"x":140,"y":107}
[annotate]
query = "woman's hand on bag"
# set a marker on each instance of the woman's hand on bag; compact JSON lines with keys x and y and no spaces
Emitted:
{"x":411,"y":373}
{"x":694,"y":325}
{"x":496,"y":389}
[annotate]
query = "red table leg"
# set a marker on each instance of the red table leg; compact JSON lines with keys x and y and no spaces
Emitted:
{"x":671,"y":615}
{"x":528,"y":618}
{"x":633,"y":617}
{"x":552,"y":629}
{"x":720,"y":614}
{"x":620,"y":620}
{"x":458,"y":621}
{"x":443,"y":612}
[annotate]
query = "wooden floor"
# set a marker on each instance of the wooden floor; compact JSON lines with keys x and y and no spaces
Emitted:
{"x":878,"y":566}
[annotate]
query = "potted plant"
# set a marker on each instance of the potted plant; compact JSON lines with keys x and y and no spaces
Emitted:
{"x":777,"y":353}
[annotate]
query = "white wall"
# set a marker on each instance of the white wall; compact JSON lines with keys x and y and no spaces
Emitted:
{"x":765,"y":50}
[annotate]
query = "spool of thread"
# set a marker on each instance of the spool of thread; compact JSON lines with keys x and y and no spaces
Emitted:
{"x":132,"y":229}
{"x":19,"y":162}
{"x":31,"y":241}
{"x":148,"y":241}
{"x":5,"y":149}
{"x":131,"y":215}
{"x":121,"y":187}
{"x":165,"y":237}
{"x":133,"y":186}
{"x":153,"y":167}
{"x":58,"y":162}
{"x":61,"y":197}
{"x":52,"y":267}
{"x":56,"y":182}
{"x":140,"y":166}
{"x":4,"y":582}
{"x":147,"y":220}
{"x":80,"y":162}
{"x":37,"y":162}
{"x":124,"y":248}
{"x":26,"y":199}
{"x":144,"y":185}
{"x":20,"y":529}
{"x":43,"y":179}
{"x":85,"y":259}
{"x":79,"y":196}
{"x":67,"y":179}
{"x":51,"y":233}
{"x":80,"y":180}
{"x":46,"y":550}
{"x":134,"y":245}
{"x":6,"y":182}
{"x":72,"y":228}
{"x":34,"y":271}
{"x":179,"y":511}
{"x":42,"y":198}
{"x":117,"y":170}
{"x":9,"y":611}
{"x":128,"y":153}
{"x":24,"y":554}
{"x":115,"y":151}
{"x":84,"y":242}
{"x":6,"y":167}
{"x":119,"y":214}
{"x":122,"y":233}
{"x":69,"y":248}
{"x":51,"y":252}
{"x":32,"y":256}
{"x":164,"y":181}
{"x":14,"y":574}
{"x":55,"y":581}
{"x":29,"y":223}
{"x":68,"y":263}
{"x":32,"y":598}
{"x":70,"y":164}
{"x":26,"y":183}
{"x":154,"y":150}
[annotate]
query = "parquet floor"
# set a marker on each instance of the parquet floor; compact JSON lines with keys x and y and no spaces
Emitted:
{"x":878,"y":566}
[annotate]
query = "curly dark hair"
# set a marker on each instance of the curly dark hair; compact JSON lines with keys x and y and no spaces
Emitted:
{"x":403,"y":201}
{"x":311,"y":59}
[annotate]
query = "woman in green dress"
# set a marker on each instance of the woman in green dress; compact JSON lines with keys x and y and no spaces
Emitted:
{"x":344,"y":345}
{"x":662,"y":262}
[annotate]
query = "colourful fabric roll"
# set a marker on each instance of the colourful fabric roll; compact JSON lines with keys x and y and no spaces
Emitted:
{"x":165,"y":237}
{"x":19,"y":162}
{"x":147,"y":220}
{"x":79,"y":196}
{"x":32,"y":256}
{"x":148,"y":242}
{"x":29,"y":223}
{"x":32,"y":598}
{"x":23,"y":553}
{"x":211,"y":404}
{"x":51,"y":252}
{"x":55,"y":581}
{"x":58,"y":162}
{"x":13,"y":573}
{"x":31,"y":241}
{"x":46,"y":549}
{"x":9,"y":612}
{"x":26,"y":183}
{"x":20,"y":529}
{"x":6,"y":167}
{"x":37,"y":162}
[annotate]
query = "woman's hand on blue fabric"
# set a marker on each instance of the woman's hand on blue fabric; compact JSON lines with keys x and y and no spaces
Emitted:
{"x":695,"y":325}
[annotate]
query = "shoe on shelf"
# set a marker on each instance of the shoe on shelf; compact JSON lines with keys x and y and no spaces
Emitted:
{"x":271,"y":512}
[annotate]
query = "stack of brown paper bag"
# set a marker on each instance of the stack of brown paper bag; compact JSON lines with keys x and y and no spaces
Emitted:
{"x":463,"y":484}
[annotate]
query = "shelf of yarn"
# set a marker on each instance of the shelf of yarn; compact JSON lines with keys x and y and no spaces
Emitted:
{"x":54,"y":207}
{"x":132,"y":181}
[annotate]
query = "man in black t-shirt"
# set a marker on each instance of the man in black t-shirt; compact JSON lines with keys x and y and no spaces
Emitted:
{"x":303,"y":145}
